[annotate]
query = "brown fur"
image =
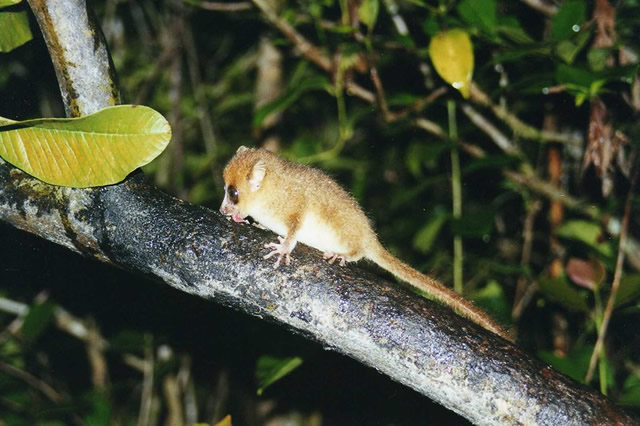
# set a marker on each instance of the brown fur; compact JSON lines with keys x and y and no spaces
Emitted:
{"x":303,"y":204}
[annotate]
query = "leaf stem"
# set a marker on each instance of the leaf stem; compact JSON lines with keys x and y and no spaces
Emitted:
{"x":456,"y":195}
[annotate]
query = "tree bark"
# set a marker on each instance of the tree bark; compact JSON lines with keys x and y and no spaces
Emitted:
{"x":412,"y":340}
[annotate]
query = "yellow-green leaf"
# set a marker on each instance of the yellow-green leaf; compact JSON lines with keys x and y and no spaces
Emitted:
{"x":14,"y":30}
{"x":452,"y":55}
{"x":94,"y":150}
{"x":226,"y":421}
{"x":271,"y":369}
{"x":368,"y":13}
{"x":5,"y":3}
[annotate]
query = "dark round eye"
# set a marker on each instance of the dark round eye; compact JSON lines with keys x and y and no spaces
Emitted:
{"x":233,"y":194}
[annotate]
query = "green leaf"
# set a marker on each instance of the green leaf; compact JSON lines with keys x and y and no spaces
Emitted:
{"x":482,"y":14}
{"x":37,"y":320}
{"x":561,"y":291}
{"x":292,"y":95}
{"x":128,"y":341}
{"x":100,"y":409}
{"x":368,"y":13}
{"x":597,"y":58}
{"x":409,"y":194}
{"x":580,"y":81}
{"x":629,"y":289}
{"x":567,"y":50}
{"x":574,"y":365}
{"x":420,"y":153}
{"x":497,"y":161}
{"x":510,"y":27}
{"x":430,"y":26}
{"x":492,"y":299}
{"x":271,"y":369}
{"x":15,"y":30}
{"x":475,"y":224}
{"x":12,"y":350}
{"x":576,"y":76}
{"x":630,"y":395}
{"x":513,"y":55}
{"x":588,"y":233}
{"x":94,"y":150}
{"x":401,"y":99}
{"x":425,"y":237}
{"x":5,"y":3}
{"x":570,"y":17}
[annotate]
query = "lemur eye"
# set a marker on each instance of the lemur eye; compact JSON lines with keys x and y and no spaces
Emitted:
{"x":233,"y":194}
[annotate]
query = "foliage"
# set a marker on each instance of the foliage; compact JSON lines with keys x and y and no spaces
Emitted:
{"x":539,"y":160}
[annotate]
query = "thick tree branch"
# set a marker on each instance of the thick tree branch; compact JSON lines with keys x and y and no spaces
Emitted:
{"x":414,"y":341}
{"x":411,"y":339}
{"x":86,"y":75}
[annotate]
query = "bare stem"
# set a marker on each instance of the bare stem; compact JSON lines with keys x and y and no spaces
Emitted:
{"x":222,"y":7}
{"x":492,"y":131}
{"x":456,"y":193}
{"x":32,"y":381}
{"x":615,"y":285}
{"x":542,"y":6}
{"x":518,"y":126}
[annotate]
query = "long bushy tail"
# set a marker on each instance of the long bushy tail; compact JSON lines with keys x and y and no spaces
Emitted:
{"x":436,"y":290}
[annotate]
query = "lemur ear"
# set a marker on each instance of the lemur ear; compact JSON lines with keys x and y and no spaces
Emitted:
{"x":242,"y":149}
{"x":257,"y":175}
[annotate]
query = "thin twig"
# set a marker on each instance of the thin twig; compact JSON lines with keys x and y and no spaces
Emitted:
{"x":431,"y":127}
{"x":358,"y":91}
{"x":148,"y":366}
{"x":207,"y":129}
{"x":550,"y":191}
{"x":418,"y":105}
{"x":222,"y":7}
{"x":171,"y":389}
{"x":615,"y":285}
{"x":32,"y":381}
{"x":542,"y":6}
{"x":398,"y":21}
{"x":382,"y":101}
{"x":174,"y":37}
{"x":63,"y":320}
{"x":306,"y":48}
{"x":518,"y":126}
{"x":97,"y":359}
{"x":524,"y":288}
{"x":187,"y":385}
{"x":13,"y":307}
{"x":492,"y":131}
{"x":310,"y":51}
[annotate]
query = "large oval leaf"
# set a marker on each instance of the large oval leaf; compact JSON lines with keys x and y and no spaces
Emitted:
{"x":452,"y":55}
{"x":14,"y":29}
{"x":94,"y":150}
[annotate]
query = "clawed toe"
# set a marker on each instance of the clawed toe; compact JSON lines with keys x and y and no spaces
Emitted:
{"x":332,"y":257}
{"x":278,"y":249}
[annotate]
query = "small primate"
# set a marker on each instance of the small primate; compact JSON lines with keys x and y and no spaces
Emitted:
{"x":302,"y":204}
